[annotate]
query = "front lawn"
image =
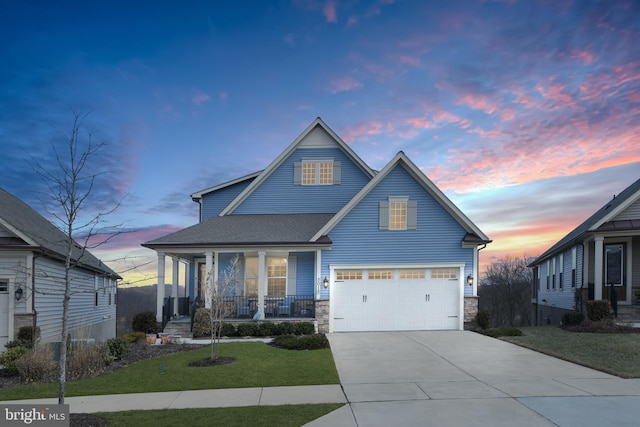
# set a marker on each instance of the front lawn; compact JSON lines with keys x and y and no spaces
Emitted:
{"x":617,"y":354}
{"x":265,"y":416}
{"x":256,"y":365}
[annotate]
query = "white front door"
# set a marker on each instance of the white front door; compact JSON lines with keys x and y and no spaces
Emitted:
{"x":396,"y":299}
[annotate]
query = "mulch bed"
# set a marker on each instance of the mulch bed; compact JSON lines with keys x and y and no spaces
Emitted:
{"x":139,"y":351}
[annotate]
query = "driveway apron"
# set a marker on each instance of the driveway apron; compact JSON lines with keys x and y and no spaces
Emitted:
{"x":460,"y":378}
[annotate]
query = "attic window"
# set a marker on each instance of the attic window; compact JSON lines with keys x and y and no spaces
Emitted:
{"x":4,"y":286}
{"x":316,"y":172}
{"x":398,"y":213}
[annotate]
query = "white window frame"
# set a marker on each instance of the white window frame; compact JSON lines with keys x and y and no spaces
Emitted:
{"x":317,"y":168}
{"x":574,"y":262}
{"x":270,"y":277}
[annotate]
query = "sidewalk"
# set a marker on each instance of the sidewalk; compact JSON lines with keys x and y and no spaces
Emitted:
{"x":220,"y":398}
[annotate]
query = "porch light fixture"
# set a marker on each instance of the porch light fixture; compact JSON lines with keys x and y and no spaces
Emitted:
{"x":470,"y":280}
{"x":325,"y":283}
{"x":18,"y":294}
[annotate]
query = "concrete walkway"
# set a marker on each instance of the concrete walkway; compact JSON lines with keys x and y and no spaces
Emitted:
{"x":459,"y":378}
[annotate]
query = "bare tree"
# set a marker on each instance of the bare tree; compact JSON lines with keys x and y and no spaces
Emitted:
{"x":70,"y":182}
{"x":219,"y":301}
{"x":505,"y":291}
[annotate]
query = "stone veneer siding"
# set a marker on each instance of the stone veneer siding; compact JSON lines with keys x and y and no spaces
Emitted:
{"x":322,"y":316}
{"x":470,"y":311}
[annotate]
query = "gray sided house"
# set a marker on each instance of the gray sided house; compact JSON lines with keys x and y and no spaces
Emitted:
{"x":321,"y":236}
{"x":32,"y":254}
{"x":598,"y":260}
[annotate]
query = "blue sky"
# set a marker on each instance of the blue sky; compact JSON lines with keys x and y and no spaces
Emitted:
{"x":525,"y":113}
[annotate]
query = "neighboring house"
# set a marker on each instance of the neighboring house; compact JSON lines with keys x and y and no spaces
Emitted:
{"x":32,"y":254}
{"x":599,"y":259}
{"x":321,"y":235}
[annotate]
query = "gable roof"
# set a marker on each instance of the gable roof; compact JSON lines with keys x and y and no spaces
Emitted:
{"x":34,"y":232}
{"x":278,"y":161}
{"x":474,"y":234}
{"x":602,"y":220}
{"x":198,"y":194}
{"x":248,"y":230}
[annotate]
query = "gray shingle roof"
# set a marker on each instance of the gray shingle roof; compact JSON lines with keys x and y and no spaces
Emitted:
{"x":42,"y":233}
{"x":248,"y":230}
{"x":578,"y":233}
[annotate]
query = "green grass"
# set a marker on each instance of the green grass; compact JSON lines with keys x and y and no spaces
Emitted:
{"x":617,"y":354}
{"x":256,"y":365}
{"x":265,"y":416}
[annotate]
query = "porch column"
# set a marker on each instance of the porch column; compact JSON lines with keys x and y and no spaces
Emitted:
{"x":597,"y":267}
{"x":262,"y":282}
{"x":187,"y":269}
{"x":318,"y":271}
{"x":208,"y":279}
{"x":175,"y":269}
{"x":160,"y":288}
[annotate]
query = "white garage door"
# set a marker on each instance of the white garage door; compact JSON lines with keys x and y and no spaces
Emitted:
{"x":396,"y":299}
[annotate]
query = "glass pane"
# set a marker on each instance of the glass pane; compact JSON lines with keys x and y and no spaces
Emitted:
{"x":614,"y":265}
{"x":326,"y":173}
{"x":308,"y":173}
{"x":397,"y":215}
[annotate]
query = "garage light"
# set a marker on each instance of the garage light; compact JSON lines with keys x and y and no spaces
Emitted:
{"x":325,"y":283}
{"x":470,"y":280}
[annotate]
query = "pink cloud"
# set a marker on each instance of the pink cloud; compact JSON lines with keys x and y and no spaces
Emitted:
{"x":586,"y":57}
{"x":223,"y":96}
{"x":409,"y":60}
{"x":344,"y":84}
{"x":329,"y":11}
{"x":363,"y":130}
{"x":477,"y":102}
{"x":352,"y":21}
{"x":200,"y":98}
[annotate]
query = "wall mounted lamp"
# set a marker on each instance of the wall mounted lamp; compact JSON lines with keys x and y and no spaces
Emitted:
{"x":18,"y":294}
{"x":470,"y":280}
{"x":325,"y":283}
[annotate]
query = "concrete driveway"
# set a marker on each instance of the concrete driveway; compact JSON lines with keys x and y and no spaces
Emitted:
{"x":460,"y":378}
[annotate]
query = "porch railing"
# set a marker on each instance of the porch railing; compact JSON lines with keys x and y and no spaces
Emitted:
{"x":167,"y":311}
{"x":284,"y":307}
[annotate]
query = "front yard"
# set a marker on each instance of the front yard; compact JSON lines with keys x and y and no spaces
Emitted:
{"x":617,"y":354}
{"x":256,"y":365}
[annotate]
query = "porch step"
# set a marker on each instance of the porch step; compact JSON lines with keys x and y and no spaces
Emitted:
{"x":628,"y":314}
{"x":181,"y":326}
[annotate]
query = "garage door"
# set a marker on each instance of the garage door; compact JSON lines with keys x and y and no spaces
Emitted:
{"x":396,"y":299}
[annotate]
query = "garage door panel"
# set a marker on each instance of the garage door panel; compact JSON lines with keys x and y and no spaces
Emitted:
{"x":413,"y":301}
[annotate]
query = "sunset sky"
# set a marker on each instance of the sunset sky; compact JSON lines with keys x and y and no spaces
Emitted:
{"x":525,"y":113}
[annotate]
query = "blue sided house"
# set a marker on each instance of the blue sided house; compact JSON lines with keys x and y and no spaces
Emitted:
{"x":319,"y":235}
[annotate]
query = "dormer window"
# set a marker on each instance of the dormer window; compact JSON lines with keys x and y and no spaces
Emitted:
{"x":316,"y":172}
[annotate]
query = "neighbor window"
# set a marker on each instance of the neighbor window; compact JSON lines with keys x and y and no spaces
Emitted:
{"x":573,"y":267}
{"x":553,"y":273}
{"x":548,"y":274}
{"x":614,"y":271}
{"x":316,"y":172}
{"x":4,"y":285}
{"x":277,"y":277}
{"x":561,"y":278}
{"x":251,"y":276}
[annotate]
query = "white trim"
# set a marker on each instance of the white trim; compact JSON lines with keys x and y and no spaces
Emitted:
{"x":617,"y":210}
{"x":402,"y":159}
{"x":198,"y":194}
{"x":281,"y":158}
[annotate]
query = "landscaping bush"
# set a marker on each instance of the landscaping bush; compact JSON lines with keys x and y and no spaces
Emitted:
{"x":502,"y":332}
{"x":133,"y":337}
{"x":285,"y":328}
{"x":267,"y":329}
{"x":36,"y":365}
{"x":598,"y":310}
{"x":573,"y":318}
{"x":201,"y":323}
{"x":9,"y":358}
{"x":228,"y":330}
{"x":145,"y":322}
{"x":304,"y":342}
{"x":85,"y":361}
{"x":117,"y":347}
{"x":303,"y":328}
{"x":483,"y":318}
{"x":25,"y":334}
{"x":247,"y":329}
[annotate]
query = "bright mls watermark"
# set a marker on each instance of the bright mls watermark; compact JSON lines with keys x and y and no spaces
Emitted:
{"x":37,"y":415}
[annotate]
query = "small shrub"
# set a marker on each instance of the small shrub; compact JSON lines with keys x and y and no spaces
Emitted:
{"x":247,"y":329}
{"x":285,"y":328}
{"x":145,"y":322}
{"x":19,"y":343}
{"x":598,"y":310}
{"x":228,"y":330}
{"x":25,"y":333}
{"x":85,"y":361}
{"x":304,"y":342}
{"x":303,"y":328}
{"x":9,"y":358}
{"x":134,"y":337}
{"x":118,"y":348}
{"x":202,"y":323}
{"x":573,"y":318}
{"x":483,"y":318}
{"x":502,"y":332}
{"x":266,"y":329}
{"x":105,"y":354}
{"x":36,"y":365}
